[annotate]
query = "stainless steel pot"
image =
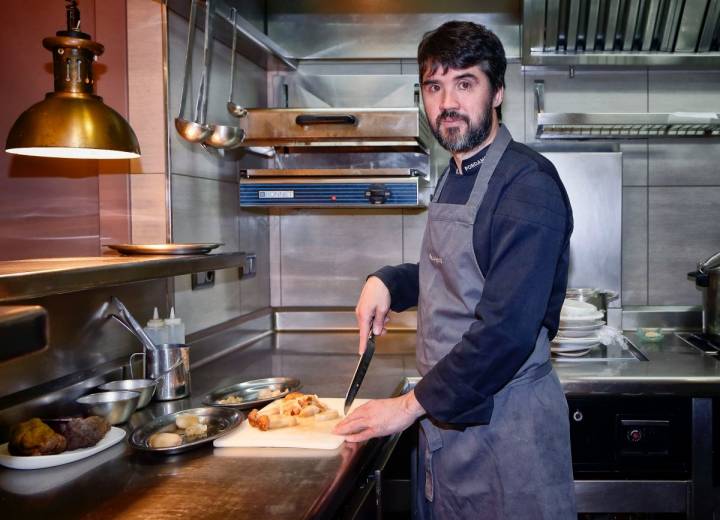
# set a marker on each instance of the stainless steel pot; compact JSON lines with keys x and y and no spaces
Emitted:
{"x":707,"y":279}
{"x":169,"y":366}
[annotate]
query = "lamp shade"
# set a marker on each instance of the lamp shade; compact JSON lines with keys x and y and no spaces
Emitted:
{"x":72,"y":125}
{"x":72,"y":122}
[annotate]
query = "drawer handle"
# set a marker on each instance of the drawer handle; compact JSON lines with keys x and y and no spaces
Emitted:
{"x":307,"y":119}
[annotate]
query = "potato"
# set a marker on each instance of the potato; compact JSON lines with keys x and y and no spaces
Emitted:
{"x":164,"y":440}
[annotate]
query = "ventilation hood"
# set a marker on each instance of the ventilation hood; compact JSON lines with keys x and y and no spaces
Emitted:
{"x":621,"y":32}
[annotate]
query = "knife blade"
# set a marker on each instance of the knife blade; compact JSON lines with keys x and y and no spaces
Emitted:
{"x":360,"y":371}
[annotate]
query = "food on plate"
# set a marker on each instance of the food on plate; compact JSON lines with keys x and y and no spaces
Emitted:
{"x":165,"y":440}
{"x":233,"y":399}
{"x":186,"y":420}
{"x":296,"y":408}
{"x":81,"y":433}
{"x":34,"y":437}
{"x":267,"y":393}
{"x":195,"y":431}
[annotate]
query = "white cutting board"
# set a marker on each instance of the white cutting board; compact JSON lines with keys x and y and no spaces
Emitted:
{"x":317,"y":436}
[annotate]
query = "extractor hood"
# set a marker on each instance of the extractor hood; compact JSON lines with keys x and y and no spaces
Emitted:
{"x":621,"y":32}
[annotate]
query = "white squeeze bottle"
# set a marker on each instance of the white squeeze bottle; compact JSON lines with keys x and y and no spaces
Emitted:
{"x":156,"y":329}
{"x":175,"y":328}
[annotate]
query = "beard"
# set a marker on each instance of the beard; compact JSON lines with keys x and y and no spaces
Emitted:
{"x":457,"y":140}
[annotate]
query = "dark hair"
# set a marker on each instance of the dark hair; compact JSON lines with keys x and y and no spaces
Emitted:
{"x":460,"y":45}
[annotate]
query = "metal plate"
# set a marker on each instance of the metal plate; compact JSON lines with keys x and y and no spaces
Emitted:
{"x":164,"y":249}
{"x":250,"y":392}
{"x":219,"y":421}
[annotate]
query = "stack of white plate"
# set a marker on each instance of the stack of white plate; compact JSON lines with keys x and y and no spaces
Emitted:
{"x":580,"y":323}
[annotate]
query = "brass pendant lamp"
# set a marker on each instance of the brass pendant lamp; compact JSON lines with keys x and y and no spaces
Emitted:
{"x":72,"y":122}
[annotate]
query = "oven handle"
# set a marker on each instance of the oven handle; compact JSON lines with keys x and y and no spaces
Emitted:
{"x":341,"y":119}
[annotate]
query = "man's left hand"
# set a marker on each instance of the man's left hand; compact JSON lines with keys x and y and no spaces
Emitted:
{"x":380,"y":417}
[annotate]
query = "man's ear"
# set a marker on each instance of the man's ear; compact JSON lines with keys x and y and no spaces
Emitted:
{"x":498,"y":97}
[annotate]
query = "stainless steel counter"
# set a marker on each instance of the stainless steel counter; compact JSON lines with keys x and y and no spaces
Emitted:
{"x":292,"y":484}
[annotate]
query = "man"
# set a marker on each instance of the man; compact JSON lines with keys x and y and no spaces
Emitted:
{"x":494,"y":437}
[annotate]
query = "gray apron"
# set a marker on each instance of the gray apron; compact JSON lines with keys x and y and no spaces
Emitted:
{"x":517,"y":466}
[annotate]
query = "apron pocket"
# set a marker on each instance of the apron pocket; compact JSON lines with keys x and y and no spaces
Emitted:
{"x":433,"y":443}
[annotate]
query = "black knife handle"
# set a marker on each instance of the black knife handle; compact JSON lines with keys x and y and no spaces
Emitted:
{"x":363,"y":365}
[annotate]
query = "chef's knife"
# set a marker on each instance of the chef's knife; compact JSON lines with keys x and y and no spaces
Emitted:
{"x":360,"y":371}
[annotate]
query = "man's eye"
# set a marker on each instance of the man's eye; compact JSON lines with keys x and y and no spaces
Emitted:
{"x":432,"y":87}
{"x":464,"y":85}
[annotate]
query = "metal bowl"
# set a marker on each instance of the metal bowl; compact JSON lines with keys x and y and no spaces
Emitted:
{"x":252,"y":394}
{"x":145,"y":387}
{"x":116,"y":407}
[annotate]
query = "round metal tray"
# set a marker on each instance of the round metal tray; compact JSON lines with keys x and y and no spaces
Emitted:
{"x":163,"y":249}
{"x":250,"y":391}
{"x":220,"y":421}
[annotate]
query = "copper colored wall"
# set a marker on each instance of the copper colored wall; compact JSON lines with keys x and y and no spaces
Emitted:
{"x":59,"y":207}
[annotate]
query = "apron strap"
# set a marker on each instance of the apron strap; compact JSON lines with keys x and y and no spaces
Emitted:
{"x":492,"y":158}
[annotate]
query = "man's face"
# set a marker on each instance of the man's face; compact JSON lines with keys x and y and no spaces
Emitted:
{"x":459,"y":104}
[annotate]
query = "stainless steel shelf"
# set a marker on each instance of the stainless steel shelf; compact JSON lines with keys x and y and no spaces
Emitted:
{"x":567,"y":125}
{"x":34,"y":278}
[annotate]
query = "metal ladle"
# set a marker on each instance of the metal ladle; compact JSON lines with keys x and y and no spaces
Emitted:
{"x":227,"y":137}
{"x":195,"y":131}
{"x":235,"y":110}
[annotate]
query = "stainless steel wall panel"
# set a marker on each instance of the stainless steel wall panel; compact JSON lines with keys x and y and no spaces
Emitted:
{"x":210,"y":306}
{"x":635,"y":246}
{"x":254,"y":229}
{"x":513,"y":107}
{"x":551,"y":24}
{"x":351,"y":68}
{"x":594,"y":185}
{"x":635,"y":163}
{"x":682,"y":230}
{"x":413,"y":228}
{"x":205,"y":210}
{"x":686,"y":162}
{"x":326,"y":254}
{"x":275,"y":257}
{"x":684,"y":91}
{"x":366,"y":91}
{"x":370,"y":30}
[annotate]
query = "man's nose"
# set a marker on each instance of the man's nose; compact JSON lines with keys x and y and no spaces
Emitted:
{"x":449,"y":100}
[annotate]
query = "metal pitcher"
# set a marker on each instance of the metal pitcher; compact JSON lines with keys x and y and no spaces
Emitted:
{"x":169,"y":364}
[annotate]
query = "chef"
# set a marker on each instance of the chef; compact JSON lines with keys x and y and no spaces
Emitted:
{"x":494,"y":434}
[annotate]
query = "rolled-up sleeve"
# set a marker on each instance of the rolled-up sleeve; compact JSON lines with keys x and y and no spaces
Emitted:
{"x":529,"y":232}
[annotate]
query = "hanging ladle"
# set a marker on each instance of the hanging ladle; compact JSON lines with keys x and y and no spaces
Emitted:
{"x":235,"y":110}
{"x":227,"y":137}
{"x":195,"y":131}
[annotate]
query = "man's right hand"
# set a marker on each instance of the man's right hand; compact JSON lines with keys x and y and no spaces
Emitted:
{"x":372,"y":310}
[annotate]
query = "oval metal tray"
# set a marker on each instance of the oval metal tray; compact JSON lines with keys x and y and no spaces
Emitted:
{"x":164,"y":249}
{"x":250,"y":391}
{"x":220,"y":421}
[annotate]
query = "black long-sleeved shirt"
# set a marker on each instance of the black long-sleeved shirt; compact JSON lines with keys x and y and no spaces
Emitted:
{"x":521,"y":240}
